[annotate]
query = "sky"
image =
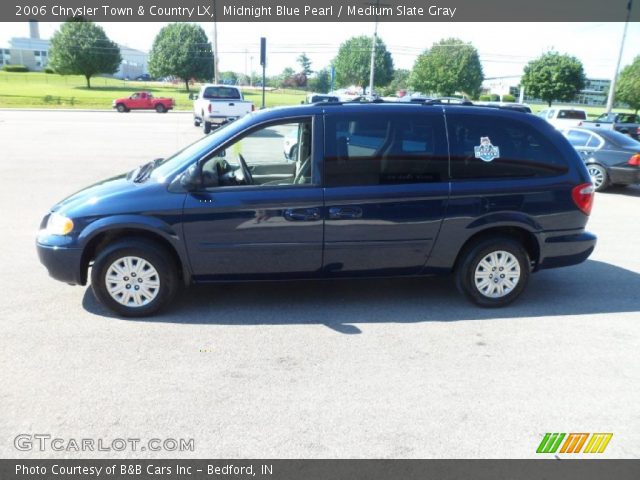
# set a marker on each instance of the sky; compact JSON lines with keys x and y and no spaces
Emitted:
{"x":505,"y":48}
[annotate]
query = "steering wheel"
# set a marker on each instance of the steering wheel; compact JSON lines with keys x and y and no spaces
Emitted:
{"x":246,"y":173}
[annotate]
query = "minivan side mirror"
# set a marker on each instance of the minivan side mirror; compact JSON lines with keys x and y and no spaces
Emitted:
{"x":191,"y":179}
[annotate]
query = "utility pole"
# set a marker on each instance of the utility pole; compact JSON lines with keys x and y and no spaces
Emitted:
{"x":263,"y":62}
{"x":612,"y":87}
{"x":215,"y":44}
{"x":373,"y":53}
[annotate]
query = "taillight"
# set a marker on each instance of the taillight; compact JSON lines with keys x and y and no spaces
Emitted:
{"x":582,"y":196}
{"x":638,"y":132}
{"x":634,"y":160}
{"x":209,"y":108}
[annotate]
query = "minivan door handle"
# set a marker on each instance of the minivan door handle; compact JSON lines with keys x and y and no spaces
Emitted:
{"x":302,"y":214}
{"x":337,"y":213}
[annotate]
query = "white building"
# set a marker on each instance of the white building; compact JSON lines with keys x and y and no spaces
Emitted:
{"x":33,"y":53}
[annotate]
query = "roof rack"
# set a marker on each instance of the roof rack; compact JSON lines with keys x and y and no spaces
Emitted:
{"x":429,"y":102}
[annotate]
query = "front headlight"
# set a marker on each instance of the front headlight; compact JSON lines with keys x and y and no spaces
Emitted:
{"x":58,"y":224}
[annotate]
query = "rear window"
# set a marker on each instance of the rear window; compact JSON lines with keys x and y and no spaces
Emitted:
{"x":221,"y":93}
{"x":572,"y":114}
{"x":484,"y":147}
{"x":623,"y":140}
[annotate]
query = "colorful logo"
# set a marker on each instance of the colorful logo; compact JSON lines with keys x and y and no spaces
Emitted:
{"x":574,"y":442}
{"x":485,"y":151}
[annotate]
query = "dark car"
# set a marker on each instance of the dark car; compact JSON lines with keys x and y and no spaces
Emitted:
{"x":487,"y":194}
{"x":612,"y":158}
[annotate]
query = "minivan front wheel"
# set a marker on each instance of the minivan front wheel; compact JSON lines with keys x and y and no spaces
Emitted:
{"x":134,"y":279}
{"x":493,"y":272}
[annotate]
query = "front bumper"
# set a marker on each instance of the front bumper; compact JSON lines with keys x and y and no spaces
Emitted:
{"x":62,"y":263}
{"x":566,"y":249}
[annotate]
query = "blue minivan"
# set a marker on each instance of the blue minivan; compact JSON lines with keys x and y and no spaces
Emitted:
{"x":487,"y":194}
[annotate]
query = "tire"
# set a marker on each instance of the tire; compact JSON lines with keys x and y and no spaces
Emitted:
{"x":122,"y":262}
{"x":482,"y":260}
{"x":599,"y":176}
{"x":160,"y":108}
{"x":196,"y":121}
{"x":206,"y":127}
{"x":121,"y":107}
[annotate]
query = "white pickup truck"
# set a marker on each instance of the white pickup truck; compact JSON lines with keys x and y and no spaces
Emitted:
{"x":218,"y":104}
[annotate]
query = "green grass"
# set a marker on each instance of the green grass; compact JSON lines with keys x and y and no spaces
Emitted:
{"x":41,"y":90}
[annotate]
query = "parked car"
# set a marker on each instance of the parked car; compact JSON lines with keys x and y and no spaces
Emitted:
{"x":563,"y":117}
{"x":290,"y":145}
{"x":611,"y":157}
{"x":321,"y":97}
{"x":215,"y":105}
{"x":626,"y":123}
{"x":145,"y":77}
{"x":143,"y":101}
{"x":486,"y":194}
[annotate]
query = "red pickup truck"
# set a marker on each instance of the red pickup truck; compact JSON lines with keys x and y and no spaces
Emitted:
{"x":143,"y":101}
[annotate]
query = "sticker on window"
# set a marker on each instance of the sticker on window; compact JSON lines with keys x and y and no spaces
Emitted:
{"x":485,"y":151}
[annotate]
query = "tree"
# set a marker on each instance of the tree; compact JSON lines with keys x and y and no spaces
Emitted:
{"x":554,"y":77}
{"x":449,"y":66}
{"x":321,"y":82}
{"x":183,"y":50}
{"x":400,"y":81}
{"x":82,"y":48}
{"x":628,"y":87}
{"x":305,"y":63}
{"x":353,"y":63}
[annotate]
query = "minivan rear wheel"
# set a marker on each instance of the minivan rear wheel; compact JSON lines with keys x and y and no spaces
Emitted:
{"x":493,"y":272}
{"x":134,"y":279}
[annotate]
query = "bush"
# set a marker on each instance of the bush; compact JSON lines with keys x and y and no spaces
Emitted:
{"x":15,"y":68}
{"x":485,"y":98}
{"x":49,"y":70}
{"x":508,"y":98}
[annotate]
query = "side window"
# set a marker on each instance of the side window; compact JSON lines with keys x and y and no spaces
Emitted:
{"x":483,"y":147}
{"x":578,"y":138}
{"x":594,"y":141}
{"x":274,"y":155}
{"x":550,"y":114}
{"x":135,"y":96}
{"x":385,"y":149}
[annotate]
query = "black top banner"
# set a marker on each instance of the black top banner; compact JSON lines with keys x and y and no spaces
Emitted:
{"x":321,"y":10}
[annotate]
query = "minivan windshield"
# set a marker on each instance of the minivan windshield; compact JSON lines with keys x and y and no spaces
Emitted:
{"x":198,"y":149}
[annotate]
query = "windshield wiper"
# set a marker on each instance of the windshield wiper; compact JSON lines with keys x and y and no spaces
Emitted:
{"x":143,"y":171}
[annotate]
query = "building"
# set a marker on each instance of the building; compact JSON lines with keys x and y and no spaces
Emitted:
{"x":33,"y":53}
{"x":595,"y":91}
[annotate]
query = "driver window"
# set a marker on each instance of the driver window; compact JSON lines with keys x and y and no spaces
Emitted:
{"x":276,"y":155}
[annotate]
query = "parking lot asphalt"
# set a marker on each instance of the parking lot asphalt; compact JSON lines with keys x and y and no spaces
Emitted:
{"x":388,"y":368}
